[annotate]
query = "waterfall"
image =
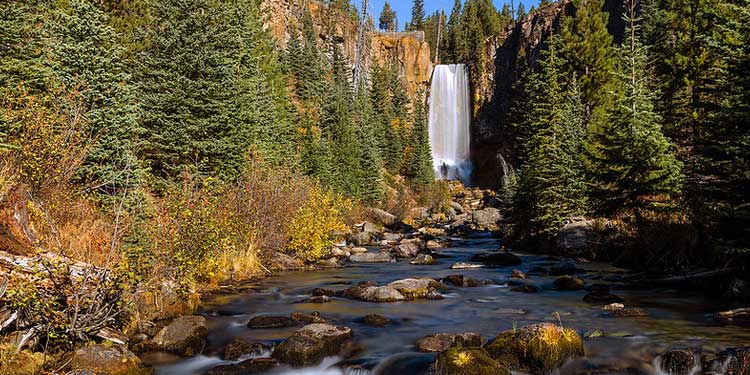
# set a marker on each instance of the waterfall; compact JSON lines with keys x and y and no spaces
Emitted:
{"x":449,"y":122}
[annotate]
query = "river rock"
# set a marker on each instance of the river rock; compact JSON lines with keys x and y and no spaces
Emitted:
{"x":382,"y":257}
{"x":499,"y":259}
{"x":270,"y":322}
{"x":576,"y":237}
{"x":487,"y":218}
{"x":465,"y":282}
{"x":680,"y":361}
{"x":331,"y":262}
{"x":525,"y":288}
{"x":318,"y":299}
{"x":310,"y":344}
{"x":371,"y":293}
{"x":340,"y":253}
{"x":239,"y":347}
{"x":517,"y":274}
{"x":539,"y":348}
{"x":381,"y":217}
{"x":465,"y":266}
{"x":317,"y":292}
{"x":416,"y":288}
{"x":406,"y":250}
{"x":734,"y":361}
{"x":568,"y":283}
{"x":627,"y":313}
{"x":109,"y":359}
{"x":392,"y":237}
{"x":433,"y":245}
{"x":250,"y":366}
{"x":443,"y":341}
{"x":185,"y":336}
{"x":423,"y":259}
{"x":361,"y":239}
{"x":468,"y":361}
{"x":311,"y":318}
{"x":375,"y":320}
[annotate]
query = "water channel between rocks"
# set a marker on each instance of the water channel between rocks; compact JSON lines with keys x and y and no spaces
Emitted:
{"x":674,"y":318}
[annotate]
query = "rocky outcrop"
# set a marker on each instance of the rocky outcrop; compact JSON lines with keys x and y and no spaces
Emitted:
{"x":185,"y":336}
{"x":409,"y":52}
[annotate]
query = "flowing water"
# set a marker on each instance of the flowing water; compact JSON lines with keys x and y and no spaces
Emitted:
{"x":449,"y":122}
{"x":675,"y":319}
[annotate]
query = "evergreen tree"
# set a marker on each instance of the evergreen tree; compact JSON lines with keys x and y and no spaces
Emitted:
{"x":521,"y":11}
{"x":311,"y":60}
{"x":633,"y":161}
{"x":190,"y":89}
{"x":388,"y":20}
{"x":587,"y":50}
{"x":85,"y":55}
{"x":551,"y":187}
{"x":434,"y":24}
{"x":417,"y":16}
{"x":543,"y":3}
{"x":453,"y":41}
{"x":22,"y":46}
{"x":369,"y":175}
{"x":419,"y":167}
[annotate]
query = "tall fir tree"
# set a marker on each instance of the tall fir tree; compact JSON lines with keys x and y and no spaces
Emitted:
{"x":417,"y":16}
{"x":588,"y":51}
{"x":633,"y":162}
{"x":419,"y":167}
{"x":23,"y":46}
{"x":551,"y":187}
{"x":85,"y":55}
{"x":388,"y":20}
{"x":369,"y":171}
{"x":453,"y":42}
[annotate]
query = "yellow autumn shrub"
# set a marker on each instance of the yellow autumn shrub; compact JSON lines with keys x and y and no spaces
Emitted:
{"x":318,"y":224}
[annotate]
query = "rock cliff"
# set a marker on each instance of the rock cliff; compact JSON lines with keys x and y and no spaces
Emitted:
{"x":409,"y":51}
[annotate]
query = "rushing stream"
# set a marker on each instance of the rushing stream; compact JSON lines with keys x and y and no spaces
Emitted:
{"x":674,"y":318}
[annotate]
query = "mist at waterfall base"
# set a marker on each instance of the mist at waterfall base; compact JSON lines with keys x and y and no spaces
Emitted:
{"x":449,"y":120}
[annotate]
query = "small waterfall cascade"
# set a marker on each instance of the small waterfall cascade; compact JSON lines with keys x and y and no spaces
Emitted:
{"x":449,"y":122}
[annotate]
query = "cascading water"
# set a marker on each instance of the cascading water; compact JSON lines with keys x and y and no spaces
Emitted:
{"x":449,"y":122}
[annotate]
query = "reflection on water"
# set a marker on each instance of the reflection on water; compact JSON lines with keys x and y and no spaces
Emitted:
{"x":675,"y":319}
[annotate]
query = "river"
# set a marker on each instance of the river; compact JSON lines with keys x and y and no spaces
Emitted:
{"x":675,"y":318}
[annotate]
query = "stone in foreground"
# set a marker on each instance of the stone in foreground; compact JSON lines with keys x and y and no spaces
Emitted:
{"x":538,"y":349}
{"x":310,"y":344}
{"x":185,"y":336}
{"x":113,"y":360}
{"x":443,"y":341}
{"x":383,"y":257}
{"x":568,"y":283}
{"x":468,"y":361}
{"x":250,"y":366}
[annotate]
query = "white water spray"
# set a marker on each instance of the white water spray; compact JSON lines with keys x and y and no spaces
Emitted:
{"x":449,"y":122}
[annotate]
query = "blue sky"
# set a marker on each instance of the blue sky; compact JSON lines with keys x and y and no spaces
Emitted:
{"x":403,"y":7}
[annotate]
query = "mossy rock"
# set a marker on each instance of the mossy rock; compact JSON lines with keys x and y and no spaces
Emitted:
{"x":468,"y":361}
{"x":538,"y":348}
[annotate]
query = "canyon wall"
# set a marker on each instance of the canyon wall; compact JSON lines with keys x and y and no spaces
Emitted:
{"x":408,"y":51}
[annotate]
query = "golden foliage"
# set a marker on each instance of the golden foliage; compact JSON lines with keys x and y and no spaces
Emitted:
{"x":316,"y":226}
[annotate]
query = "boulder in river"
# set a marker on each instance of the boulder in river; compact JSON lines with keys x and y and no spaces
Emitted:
{"x":382,"y":257}
{"x":109,"y":359}
{"x":618,"y":310}
{"x":270,"y":322}
{"x":462,"y":281}
{"x":468,"y":361}
{"x":381,"y":217}
{"x":498,"y":259}
{"x":539,"y":348}
{"x":566,"y":283}
{"x":406,"y":250}
{"x":423,"y":260}
{"x":443,"y":341}
{"x":375,"y":320}
{"x":487,"y":218}
{"x":310,"y":344}
{"x":416,"y":288}
{"x":185,"y":336}
{"x":373,"y":293}
{"x":734,"y":361}
{"x":680,"y":361}
{"x":576,"y":237}
{"x":239,"y":347}
{"x":311,"y":318}
{"x":517,"y":274}
{"x":318,"y":292}
{"x":525,"y":288}
{"x":250,"y":366}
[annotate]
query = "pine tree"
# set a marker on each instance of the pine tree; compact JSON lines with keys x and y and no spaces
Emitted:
{"x":633,"y":161}
{"x":453,"y":41}
{"x":388,"y":20}
{"x":587,"y":49}
{"x":22,"y":41}
{"x":85,"y":55}
{"x":189,"y":86}
{"x":551,"y":186}
{"x":311,"y":72}
{"x":521,"y":11}
{"x":369,"y":175}
{"x":419,"y":167}
{"x":417,"y":16}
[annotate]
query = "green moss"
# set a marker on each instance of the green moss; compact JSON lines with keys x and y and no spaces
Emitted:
{"x":538,"y":348}
{"x":468,"y":361}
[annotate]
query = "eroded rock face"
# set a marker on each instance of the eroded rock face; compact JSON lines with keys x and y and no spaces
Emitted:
{"x":310,"y":344}
{"x":185,"y":336}
{"x":112,"y":360}
{"x":443,"y":341}
{"x":538,"y":348}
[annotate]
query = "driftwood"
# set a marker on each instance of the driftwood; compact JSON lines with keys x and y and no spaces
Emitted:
{"x":742,"y":314}
{"x":676,"y":280}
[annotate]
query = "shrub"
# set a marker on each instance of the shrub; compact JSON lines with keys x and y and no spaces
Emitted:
{"x":317,"y":224}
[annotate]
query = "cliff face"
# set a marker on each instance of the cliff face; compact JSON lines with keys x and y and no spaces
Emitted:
{"x":409,"y":51}
{"x":521,"y":45}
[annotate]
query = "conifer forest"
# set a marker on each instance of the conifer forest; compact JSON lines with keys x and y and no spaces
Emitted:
{"x":375,"y":187}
